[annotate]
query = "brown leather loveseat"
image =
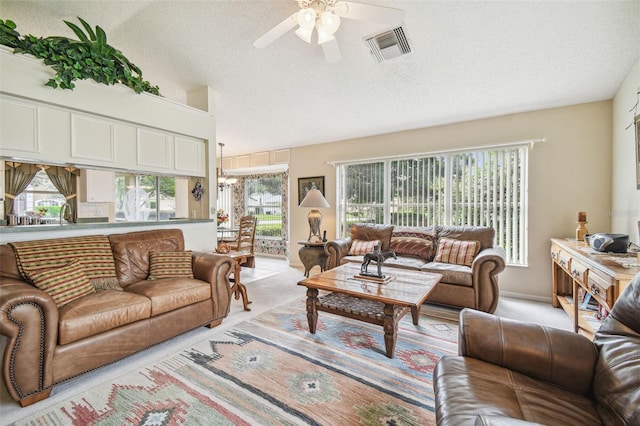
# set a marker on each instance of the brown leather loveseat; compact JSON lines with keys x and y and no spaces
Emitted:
{"x":469,"y":281}
{"x":106,"y":297}
{"x":512,"y":372}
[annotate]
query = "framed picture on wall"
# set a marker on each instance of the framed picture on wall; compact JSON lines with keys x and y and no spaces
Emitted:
{"x":305,"y":184}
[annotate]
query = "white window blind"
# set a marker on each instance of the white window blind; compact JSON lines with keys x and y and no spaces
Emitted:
{"x":485,"y":187}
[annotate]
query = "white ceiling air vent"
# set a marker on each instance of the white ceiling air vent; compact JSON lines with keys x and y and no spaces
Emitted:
{"x":389,"y":44}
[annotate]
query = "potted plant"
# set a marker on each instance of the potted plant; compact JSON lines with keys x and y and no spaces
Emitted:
{"x":89,"y":57}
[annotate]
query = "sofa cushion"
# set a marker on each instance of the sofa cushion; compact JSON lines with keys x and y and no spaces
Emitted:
{"x":451,"y":273}
{"x":168,"y":294}
{"x":170,"y":264}
{"x":411,"y":246}
{"x":458,"y":252}
{"x":63,"y":283}
{"x":372,"y":231}
{"x":131,"y":251}
{"x":483,"y":234}
{"x":359,"y":247}
{"x":616,"y":381}
{"x":405,"y":262}
{"x":92,"y":251}
{"x":467,"y":387}
{"x":100,"y":312}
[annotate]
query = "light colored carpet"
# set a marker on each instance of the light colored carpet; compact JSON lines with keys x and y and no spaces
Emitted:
{"x":267,"y":289}
{"x":271,"y":370}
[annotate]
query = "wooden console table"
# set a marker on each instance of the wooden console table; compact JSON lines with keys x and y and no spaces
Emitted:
{"x":575,"y":265}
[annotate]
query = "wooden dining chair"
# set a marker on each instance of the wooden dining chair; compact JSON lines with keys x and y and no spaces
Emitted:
{"x":246,"y":238}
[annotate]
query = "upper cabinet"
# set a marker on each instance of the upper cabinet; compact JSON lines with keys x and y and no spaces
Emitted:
{"x":97,"y":125}
{"x":97,"y":186}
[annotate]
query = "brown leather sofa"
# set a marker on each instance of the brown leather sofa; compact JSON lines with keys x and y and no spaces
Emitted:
{"x":46,"y":345}
{"x":474,"y":286}
{"x":512,"y":372}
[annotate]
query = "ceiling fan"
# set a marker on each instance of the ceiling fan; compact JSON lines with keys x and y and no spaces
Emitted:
{"x":324,"y":16}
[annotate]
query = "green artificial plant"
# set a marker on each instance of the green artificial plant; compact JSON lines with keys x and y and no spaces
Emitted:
{"x":90,"y":57}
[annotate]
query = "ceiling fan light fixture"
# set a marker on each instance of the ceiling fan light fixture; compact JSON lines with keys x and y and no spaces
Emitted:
{"x":304,"y":34}
{"x":329,"y":22}
{"x":324,"y":36}
{"x":307,"y":18}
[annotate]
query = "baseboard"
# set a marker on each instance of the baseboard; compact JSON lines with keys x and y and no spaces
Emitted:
{"x":524,"y":296}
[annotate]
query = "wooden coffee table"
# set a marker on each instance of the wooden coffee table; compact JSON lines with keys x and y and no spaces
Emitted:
{"x":380,"y":304}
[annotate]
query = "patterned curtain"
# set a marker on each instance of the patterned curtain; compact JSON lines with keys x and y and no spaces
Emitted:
{"x":64,"y":179}
{"x":264,"y":245}
{"x":17,"y":176}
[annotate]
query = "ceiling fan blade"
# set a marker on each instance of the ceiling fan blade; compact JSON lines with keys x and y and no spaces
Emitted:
{"x":366,"y":12}
{"x":275,"y":32}
{"x":331,"y":51}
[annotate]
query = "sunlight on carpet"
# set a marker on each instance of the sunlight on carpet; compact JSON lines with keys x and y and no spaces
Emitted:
{"x":271,"y":370}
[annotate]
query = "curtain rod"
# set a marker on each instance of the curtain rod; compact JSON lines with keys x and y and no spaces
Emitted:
{"x":527,"y":142}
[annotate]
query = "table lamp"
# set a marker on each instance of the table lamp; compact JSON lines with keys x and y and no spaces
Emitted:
{"x":315,"y":200}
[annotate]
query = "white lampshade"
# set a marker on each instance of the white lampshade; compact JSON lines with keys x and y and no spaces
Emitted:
{"x":306,"y":18}
{"x":315,"y":200}
{"x":329,"y":22}
{"x":304,"y":34}
{"x":323,"y":36}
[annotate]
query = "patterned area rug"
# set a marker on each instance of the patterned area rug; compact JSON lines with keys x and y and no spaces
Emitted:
{"x":271,"y":371}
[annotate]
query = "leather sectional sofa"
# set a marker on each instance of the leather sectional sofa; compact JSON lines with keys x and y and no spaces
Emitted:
{"x":472,"y":283}
{"x":137,"y":297}
{"x":514,"y":373}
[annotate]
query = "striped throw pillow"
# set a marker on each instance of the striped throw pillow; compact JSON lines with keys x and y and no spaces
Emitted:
{"x":359,"y":247}
{"x":63,"y":283}
{"x":410,"y":246}
{"x":458,"y":252}
{"x":170,"y":264}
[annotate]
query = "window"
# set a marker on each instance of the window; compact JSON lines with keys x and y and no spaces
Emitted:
{"x":144,"y":197}
{"x":41,"y":199}
{"x":482,"y":187}
{"x":263,"y":199}
{"x":225,"y":203}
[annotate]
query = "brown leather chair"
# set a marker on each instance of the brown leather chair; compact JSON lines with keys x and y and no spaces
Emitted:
{"x":510,"y":372}
{"x":246,"y":238}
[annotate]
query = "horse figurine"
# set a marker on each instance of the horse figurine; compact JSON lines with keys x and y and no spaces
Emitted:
{"x":377,"y":256}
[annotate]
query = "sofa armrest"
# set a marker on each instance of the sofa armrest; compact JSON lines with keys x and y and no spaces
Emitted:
{"x":336,"y":250}
{"x":556,"y":356}
{"x":215,"y":269}
{"x":485,"y":269}
{"x":29,"y":320}
{"x":494,"y":255}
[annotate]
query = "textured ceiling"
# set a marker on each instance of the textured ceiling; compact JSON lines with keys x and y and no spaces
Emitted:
{"x":471,"y":60}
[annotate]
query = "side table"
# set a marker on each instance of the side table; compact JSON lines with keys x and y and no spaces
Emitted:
{"x":312,"y":254}
{"x":238,"y":289}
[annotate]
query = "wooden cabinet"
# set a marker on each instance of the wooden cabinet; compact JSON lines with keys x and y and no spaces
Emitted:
{"x":576,"y":268}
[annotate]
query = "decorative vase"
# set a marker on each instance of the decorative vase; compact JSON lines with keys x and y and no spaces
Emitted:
{"x":581,"y":231}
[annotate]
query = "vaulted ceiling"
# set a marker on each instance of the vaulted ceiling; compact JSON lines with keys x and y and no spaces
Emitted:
{"x":470,"y":59}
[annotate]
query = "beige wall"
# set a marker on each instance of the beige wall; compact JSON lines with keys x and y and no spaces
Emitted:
{"x":569,"y":172}
{"x":625,"y":212}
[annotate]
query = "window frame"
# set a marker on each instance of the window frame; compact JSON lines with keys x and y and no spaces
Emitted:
{"x":516,"y":256}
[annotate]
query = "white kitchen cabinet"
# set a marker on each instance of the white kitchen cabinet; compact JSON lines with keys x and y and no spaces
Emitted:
{"x":97,"y":186}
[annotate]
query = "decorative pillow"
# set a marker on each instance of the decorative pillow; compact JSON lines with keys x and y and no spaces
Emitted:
{"x":371,"y":232}
{"x":64,"y":283}
{"x":458,"y":252}
{"x":359,"y":247}
{"x":170,"y":264}
{"x":410,"y":246}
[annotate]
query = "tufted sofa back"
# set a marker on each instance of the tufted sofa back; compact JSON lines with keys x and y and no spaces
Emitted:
{"x":131,"y":251}
{"x":616,"y":380}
